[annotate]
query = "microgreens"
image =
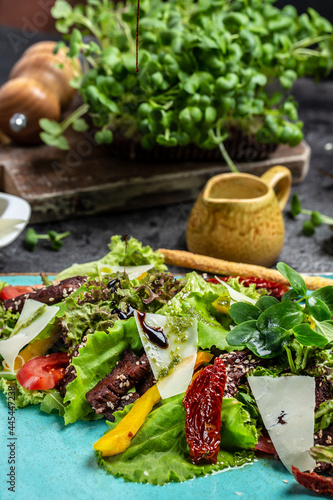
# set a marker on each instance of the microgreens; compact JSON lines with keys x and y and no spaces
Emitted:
{"x":270,"y":327}
{"x":205,"y":68}
{"x":31,"y":239}
{"x":316,"y":218}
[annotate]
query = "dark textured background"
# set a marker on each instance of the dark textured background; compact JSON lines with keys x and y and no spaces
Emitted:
{"x":165,"y":226}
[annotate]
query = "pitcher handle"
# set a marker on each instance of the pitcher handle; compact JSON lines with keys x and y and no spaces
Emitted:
{"x":279,"y":179}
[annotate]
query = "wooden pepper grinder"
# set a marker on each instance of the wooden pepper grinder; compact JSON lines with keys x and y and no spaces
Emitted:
{"x":38,"y":87}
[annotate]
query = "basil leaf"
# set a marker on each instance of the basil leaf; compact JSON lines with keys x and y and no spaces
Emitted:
{"x":241,"y":312}
{"x":308,"y":337}
{"x":284,"y":315}
{"x":266,"y":301}
{"x":326,"y":295}
{"x":296,"y":281}
{"x":318,"y":309}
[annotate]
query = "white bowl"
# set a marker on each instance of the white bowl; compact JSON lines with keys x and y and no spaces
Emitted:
{"x":13,"y":207}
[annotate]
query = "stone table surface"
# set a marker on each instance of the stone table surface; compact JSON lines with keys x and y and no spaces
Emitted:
{"x":165,"y":226}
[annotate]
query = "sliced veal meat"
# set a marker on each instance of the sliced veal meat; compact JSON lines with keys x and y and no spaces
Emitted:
{"x":110,"y":393}
{"x":49,"y":295}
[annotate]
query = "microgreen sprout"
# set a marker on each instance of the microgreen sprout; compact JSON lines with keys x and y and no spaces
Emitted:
{"x":32,"y":238}
{"x":316,"y":218}
{"x":205,"y":70}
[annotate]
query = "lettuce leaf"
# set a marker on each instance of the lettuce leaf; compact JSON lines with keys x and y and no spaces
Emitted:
{"x":7,"y":321}
{"x":96,"y":360}
{"x":136,"y":254}
{"x":159,"y":454}
{"x":238,"y":430}
{"x":196,"y":299}
{"x":23,"y":397}
{"x":53,"y":402}
{"x":324,"y":415}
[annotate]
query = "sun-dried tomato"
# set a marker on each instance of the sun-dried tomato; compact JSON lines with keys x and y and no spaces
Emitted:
{"x":203,"y":402}
{"x":275,"y":289}
{"x":320,"y":484}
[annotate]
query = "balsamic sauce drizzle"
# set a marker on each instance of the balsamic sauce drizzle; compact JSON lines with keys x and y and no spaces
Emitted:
{"x":155,"y":335}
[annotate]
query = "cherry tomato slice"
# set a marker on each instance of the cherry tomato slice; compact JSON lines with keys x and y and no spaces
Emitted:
{"x":10,"y":292}
{"x":43,"y":372}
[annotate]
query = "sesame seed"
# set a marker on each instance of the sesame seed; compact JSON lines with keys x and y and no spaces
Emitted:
{"x":285,"y":481}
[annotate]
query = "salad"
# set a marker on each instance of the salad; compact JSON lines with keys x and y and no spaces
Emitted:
{"x":202,"y":373}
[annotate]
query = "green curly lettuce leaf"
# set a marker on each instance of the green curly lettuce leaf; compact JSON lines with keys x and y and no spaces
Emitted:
{"x":159,"y":454}
{"x":53,"y":402}
{"x":23,"y":397}
{"x":96,"y":360}
{"x":135,"y":254}
{"x":8,"y":320}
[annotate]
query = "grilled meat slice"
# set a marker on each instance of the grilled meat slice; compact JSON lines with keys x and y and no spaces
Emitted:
{"x":110,"y":393}
{"x":49,"y":295}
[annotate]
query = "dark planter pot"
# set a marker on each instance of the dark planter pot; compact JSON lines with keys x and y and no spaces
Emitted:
{"x":241,"y":148}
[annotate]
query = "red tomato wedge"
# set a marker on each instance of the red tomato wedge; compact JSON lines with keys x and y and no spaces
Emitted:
{"x":43,"y":372}
{"x":10,"y":292}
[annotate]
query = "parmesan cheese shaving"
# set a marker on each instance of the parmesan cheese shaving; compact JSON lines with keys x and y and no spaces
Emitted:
{"x":26,"y":330}
{"x":172,"y":366}
{"x":131,"y":271}
{"x":286,"y":405}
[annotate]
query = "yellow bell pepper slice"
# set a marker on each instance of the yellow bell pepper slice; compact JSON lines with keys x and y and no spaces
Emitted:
{"x":202,"y":357}
{"x":36,"y":348}
{"x":118,"y":439}
{"x":222,"y":305}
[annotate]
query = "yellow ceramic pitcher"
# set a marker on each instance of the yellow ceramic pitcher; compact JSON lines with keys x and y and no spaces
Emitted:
{"x":238,"y":217}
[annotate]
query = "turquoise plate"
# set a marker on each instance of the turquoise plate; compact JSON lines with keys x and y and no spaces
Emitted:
{"x":54,"y":462}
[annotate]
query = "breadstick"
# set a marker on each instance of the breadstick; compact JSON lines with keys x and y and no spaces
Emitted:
{"x":212,"y":265}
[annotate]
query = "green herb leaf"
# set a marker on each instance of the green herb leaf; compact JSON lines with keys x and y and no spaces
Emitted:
{"x":325,"y":328}
{"x":50,"y":126}
{"x":61,"y":9}
{"x":317,"y":218}
{"x":290,"y":295}
{"x":308,"y":337}
{"x":104,"y":137}
{"x":317,"y":308}
{"x":325,"y":294}
{"x":51,"y":140}
{"x":308,"y":228}
{"x":80,"y":125}
{"x":296,"y":281}
{"x":295,"y":205}
{"x":266,"y":301}
{"x":284,"y":315}
{"x":265,"y":345}
{"x":242,"y":311}
{"x":31,"y":239}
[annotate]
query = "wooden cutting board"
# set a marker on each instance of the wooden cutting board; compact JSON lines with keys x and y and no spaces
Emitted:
{"x":87,"y":180}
